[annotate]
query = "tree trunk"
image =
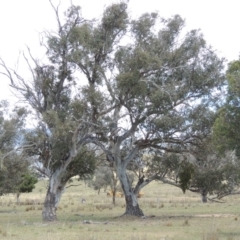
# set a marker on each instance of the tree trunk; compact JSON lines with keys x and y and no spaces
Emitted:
{"x":18,"y":198}
{"x":114,"y":196}
{"x":204,"y":196}
{"x":132,"y":207}
{"x":54,"y":193}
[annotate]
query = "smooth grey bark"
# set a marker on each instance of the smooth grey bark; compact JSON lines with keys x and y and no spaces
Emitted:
{"x":115,"y":180}
{"x":55,"y":190}
{"x":132,"y":206}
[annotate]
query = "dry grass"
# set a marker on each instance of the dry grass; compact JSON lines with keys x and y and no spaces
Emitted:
{"x":169,"y":215}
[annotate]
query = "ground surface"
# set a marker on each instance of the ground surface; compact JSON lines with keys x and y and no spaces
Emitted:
{"x":170,"y":214}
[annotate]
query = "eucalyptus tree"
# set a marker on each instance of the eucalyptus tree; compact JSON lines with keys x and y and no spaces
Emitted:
{"x":60,"y":134}
{"x":67,"y":111}
{"x":199,"y":167}
{"x":226,"y":126}
{"x":213,"y":175}
{"x":146,"y":86}
{"x":161,"y":82}
{"x":202,"y":170}
{"x":206,"y":172}
{"x":158,"y":83}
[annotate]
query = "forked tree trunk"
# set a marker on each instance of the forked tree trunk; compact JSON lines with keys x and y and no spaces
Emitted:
{"x":54,"y":193}
{"x":132,"y":206}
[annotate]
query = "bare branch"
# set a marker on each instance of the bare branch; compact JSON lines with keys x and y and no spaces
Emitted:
{"x":56,"y":10}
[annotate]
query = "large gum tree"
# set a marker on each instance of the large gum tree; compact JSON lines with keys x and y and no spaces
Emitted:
{"x":158,"y":82}
{"x":62,"y":126}
{"x":145,"y":82}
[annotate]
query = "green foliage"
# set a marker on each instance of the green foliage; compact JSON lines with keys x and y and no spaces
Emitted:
{"x":220,"y":181}
{"x":213,"y":173}
{"x":83,"y":165}
{"x":233,"y":77}
{"x":185,"y":175}
{"x":226,"y":127}
{"x":13,"y":164}
{"x":225,"y":131}
{"x":11,"y":126}
{"x":28,"y":183}
{"x":13,"y":171}
{"x":147,"y":95}
{"x":103,"y":178}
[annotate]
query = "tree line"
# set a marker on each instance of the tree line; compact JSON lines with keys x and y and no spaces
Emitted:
{"x":135,"y":95}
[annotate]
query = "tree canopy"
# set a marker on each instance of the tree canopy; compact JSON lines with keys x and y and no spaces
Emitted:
{"x":15,"y":166}
{"x":125,"y":87}
{"x":226,"y":126}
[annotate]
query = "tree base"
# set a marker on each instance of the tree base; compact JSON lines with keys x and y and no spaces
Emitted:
{"x":134,"y":211}
{"x":48,"y":215}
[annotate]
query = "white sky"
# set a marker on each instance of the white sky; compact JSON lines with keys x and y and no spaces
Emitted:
{"x":21,"y":21}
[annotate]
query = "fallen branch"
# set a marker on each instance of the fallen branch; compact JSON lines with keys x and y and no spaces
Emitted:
{"x":90,"y":222}
{"x":73,"y":185}
{"x":213,"y":200}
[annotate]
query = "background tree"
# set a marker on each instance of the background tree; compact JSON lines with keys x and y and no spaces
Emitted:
{"x":17,"y":176}
{"x":15,"y":166}
{"x":226,"y":127}
{"x":60,"y":132}
{"x":201,"y":170}
{"x":212,"y":175}
{"x":12,"y":129}
{"x":27,"y":183}
{"x":106,"y":177}
{"x":102,"y":178}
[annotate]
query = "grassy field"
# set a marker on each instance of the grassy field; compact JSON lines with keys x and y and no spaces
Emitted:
{"x":170,"y":214}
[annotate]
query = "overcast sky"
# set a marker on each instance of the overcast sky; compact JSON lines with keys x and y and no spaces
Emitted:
{"x":22,"y":21}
